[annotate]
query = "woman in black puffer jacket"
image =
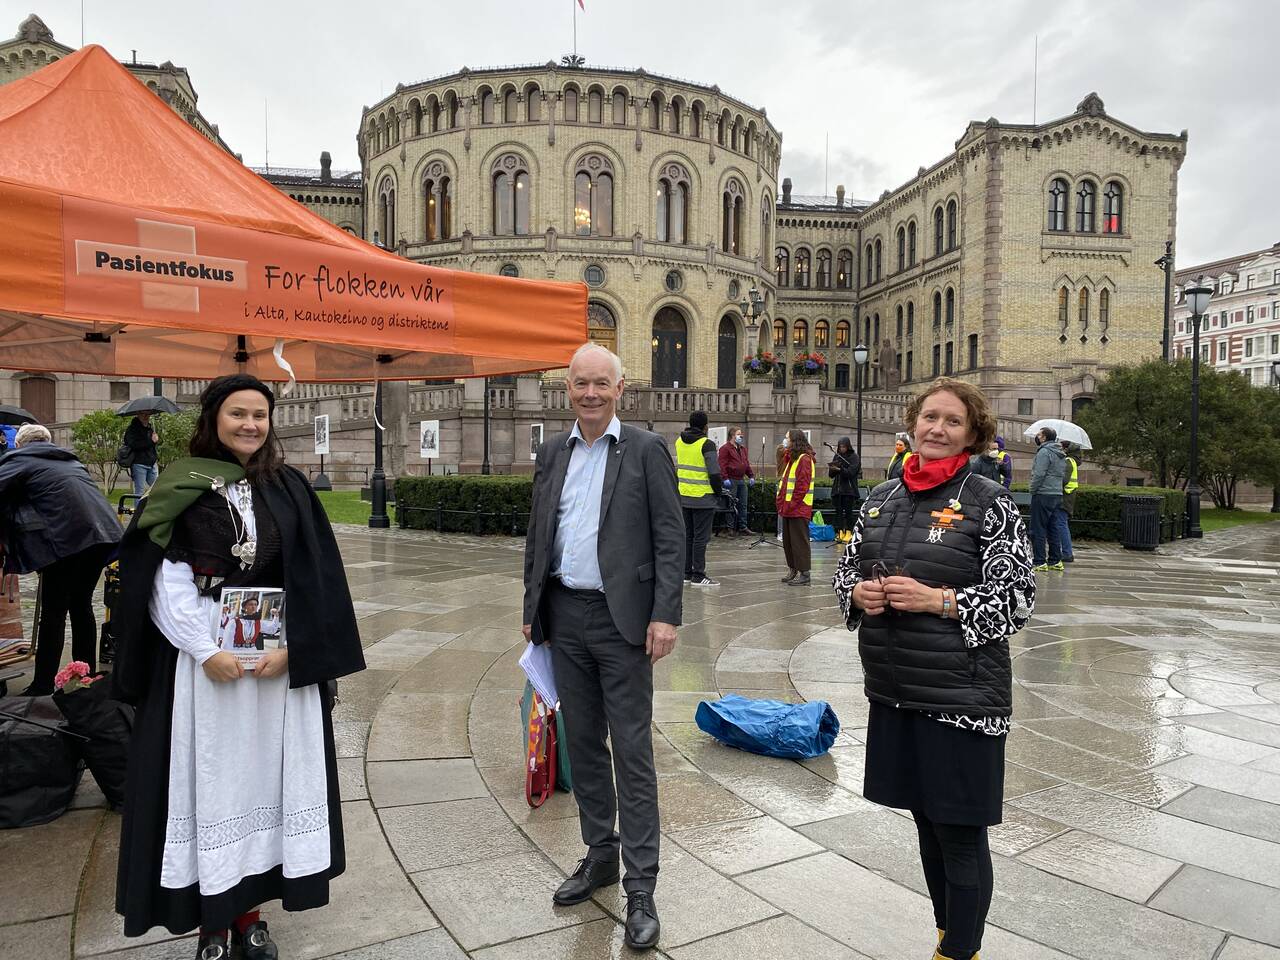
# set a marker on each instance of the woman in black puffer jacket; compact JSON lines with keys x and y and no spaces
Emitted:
{"x":936,"y":580}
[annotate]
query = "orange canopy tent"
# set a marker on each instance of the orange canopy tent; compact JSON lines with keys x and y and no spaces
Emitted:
{"x":130,"y":245}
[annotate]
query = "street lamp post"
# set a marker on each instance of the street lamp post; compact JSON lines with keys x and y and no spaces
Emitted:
{"x":860,"y":354}
{"x":484,"y":464}
{"x":752,"y":308}
{"x":1197,"y":298}
{"x":1166,"y":262}
{"x":1275,"y":382}
{"x":378,"y":482}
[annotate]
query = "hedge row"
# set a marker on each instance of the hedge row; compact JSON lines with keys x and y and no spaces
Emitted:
{"x":480,"y":505}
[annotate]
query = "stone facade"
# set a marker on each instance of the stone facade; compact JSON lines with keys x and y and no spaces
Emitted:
{"x":1241,"y":331}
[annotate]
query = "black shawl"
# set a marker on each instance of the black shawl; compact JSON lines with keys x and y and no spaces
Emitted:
{"x":324,"y":642}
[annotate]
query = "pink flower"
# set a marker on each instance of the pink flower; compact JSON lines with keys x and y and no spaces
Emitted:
{"x":74,"y":675}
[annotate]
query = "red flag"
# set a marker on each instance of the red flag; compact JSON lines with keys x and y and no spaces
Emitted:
{"x":582,"y":5}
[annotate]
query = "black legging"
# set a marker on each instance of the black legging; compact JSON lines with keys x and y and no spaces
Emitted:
{"x":845,"y":510}
{"x":957,"y":870}
{"x":67,"y":588}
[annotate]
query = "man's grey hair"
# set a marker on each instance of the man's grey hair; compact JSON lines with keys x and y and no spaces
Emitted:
{"x":32,"y":433}
{"x":590,"y":347}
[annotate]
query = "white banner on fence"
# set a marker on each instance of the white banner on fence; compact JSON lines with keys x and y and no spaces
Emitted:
{"x":322,"y":434}
{"x":429,"y":439}
{"x":535,"y":440}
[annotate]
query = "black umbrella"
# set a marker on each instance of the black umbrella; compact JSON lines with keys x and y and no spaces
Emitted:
{"x":148,"y":405}
{"x":14,"y":416}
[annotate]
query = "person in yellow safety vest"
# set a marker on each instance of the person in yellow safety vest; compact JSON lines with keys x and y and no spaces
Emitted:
{"x":794,"y":502}
{"x":1062,"y":516}
{"x":901,"y":451}
{"x":698,"y":475}
{"x":1004,"y":462}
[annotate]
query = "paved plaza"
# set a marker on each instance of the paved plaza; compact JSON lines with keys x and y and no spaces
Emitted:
{"x":1142,"y":814}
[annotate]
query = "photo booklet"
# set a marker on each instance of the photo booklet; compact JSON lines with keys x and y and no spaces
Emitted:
{"x":251,"y":623}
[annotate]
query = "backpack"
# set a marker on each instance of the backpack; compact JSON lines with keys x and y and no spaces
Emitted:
{"x":124,"y":456}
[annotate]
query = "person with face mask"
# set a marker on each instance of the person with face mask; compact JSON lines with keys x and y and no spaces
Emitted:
{"x":901,"y":450}
{"x":735,"y":467}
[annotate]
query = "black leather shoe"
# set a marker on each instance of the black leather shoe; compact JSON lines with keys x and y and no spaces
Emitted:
{"x":642,"y":922}
{"x":213,"y":946}
{"x":256,"y":943}
{"x":589,"y":877}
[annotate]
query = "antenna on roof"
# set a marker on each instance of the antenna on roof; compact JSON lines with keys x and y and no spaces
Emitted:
{"x":82,"y":23}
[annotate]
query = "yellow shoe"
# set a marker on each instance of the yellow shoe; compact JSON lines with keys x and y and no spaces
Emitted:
{"x":938,"y":954}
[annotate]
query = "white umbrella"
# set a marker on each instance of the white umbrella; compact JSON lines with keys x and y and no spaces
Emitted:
{"x":1065,"y":429}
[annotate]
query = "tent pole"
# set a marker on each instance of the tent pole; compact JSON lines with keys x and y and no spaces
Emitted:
{"x":378,"y":482}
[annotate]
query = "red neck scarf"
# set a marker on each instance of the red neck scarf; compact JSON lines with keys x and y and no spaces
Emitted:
{"x":918,"y":475}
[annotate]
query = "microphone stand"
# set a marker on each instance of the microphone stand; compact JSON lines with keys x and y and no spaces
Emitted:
{"x":764,"y":535}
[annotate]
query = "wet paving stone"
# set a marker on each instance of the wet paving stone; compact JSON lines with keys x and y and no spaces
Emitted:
{"x":1102,"y":864}
{"x":593,"y":940}
{"x":776,"y":937}
{"x":1253,"y":818}
{"x":743,"y":845}
{"x":395,"y":783}
{"x":1248,"y":909}
{"x":1227,"y":777}
{"x":452,"y":832}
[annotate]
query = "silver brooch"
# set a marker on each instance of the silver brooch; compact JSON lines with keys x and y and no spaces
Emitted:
{"x":215,"y":483}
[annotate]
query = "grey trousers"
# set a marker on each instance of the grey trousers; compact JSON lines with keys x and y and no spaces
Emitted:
{"x":606,"y":689}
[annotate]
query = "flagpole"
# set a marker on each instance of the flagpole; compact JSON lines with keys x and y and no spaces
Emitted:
{"x":574,"y":3}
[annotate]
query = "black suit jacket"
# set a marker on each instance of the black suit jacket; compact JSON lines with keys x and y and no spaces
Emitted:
{"x":640,"y":545}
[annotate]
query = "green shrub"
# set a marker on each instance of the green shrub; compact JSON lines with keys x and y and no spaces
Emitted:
{"x":470,"y":504}
{"x":95,"y":439}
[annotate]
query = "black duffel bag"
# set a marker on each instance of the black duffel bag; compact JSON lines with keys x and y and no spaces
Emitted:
{"x":39,"y":767}
{"x":107,"y":724}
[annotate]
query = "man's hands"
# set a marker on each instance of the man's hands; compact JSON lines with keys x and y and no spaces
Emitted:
{"x":527,"y":630}
{"x":272,"y":664}
{"x":659,"y":640}
{"x":223,"y":667}
{"x":905,"y":594}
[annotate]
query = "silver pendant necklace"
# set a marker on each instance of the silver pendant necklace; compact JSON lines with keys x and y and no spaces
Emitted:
{"x":245,"y":548}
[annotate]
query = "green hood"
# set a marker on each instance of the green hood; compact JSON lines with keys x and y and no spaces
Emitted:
{"x":178,"y":487}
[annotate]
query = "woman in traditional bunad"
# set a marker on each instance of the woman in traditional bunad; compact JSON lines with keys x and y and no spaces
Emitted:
{"x":232,"y":797}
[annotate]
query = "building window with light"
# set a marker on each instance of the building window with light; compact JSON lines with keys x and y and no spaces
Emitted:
{"x":1058,"y":206}
{"x":1113,"y":208}
{"x":843,"y":331}
{"x":593,"y":197}
{"x":782,"y":266}
{"x":511,"y":189}
{"x":844,"y":270}
{"x":1085,"y":195}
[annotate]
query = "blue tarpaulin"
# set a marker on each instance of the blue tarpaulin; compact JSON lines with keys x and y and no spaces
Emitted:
{"x":795,"y":731}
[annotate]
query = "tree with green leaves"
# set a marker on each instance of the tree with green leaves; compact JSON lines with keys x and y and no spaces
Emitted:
{"x":175,"y":430}
{"x":96,"y":438}
{"x":1141,"y":415}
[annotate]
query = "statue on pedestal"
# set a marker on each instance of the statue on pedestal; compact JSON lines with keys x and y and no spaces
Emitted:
{"x":890,"y":375}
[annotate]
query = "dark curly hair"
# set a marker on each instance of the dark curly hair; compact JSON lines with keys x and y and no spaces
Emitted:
{"x":981,"y":420}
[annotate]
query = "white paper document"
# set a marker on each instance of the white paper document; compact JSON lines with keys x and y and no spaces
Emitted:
{"x":536,"y":664}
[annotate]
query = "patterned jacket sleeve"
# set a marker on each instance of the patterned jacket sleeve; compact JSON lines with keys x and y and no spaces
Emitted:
{"x":998,"y":607}
{"x":848,"y":573}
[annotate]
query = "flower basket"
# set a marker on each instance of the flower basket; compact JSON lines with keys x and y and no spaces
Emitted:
{"x":809,"y":365}
{"x":762,"y":363}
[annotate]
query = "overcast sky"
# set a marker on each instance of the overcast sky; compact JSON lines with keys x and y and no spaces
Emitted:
{"x":891,"y":84}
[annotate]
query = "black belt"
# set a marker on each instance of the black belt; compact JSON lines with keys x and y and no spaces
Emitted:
{"x":574,"y":591}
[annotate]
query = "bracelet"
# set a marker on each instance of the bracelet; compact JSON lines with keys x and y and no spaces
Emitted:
{"x":947,"y":598}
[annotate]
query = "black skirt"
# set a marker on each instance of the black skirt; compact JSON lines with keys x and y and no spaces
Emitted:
{"x":915,"y":762}
{"x":140,"y":898}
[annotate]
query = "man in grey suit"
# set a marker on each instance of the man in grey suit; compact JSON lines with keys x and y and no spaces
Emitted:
{"x":602,"y":585}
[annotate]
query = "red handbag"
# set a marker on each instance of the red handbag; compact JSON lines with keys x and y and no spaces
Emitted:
{"x":541,"y":748}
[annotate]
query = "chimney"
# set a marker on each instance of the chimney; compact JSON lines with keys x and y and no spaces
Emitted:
{"x":786,"y":190}
{"x":839,"y":194}
{"x":326,"y":162}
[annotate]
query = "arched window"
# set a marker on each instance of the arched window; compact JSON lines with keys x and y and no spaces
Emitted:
{"x":951,"y":225}
{"x":602,"y":326}
{"x":875,"y":337}
{"x":620,"y":107}
{"x":387,"y":214}
{"x":532,"y":103}
{"x":911,"y":244}
{"x":766,"y":223}
{"x":437,"y":191}
{"x":731,"y":206}
{"x":735,"y":139}
{"x":1086,"y":194}
{"x":511,"y":196}
{"x":938,"y":248}
{"x":802,"y":268}
{"x":655,"y":111}
{"x":593,"y":197}
{"x":879,"y":261}
{"x":595,"y":105}
{"x":779,"y":333}
{"x":951,"y":305}
{"x":433,"y":115}
{"x":898,"y":327}
{"x":870,"y":261}
{"x":1113,"y":208}
{"x":415,"y":111}
{"x":937,"y":309}
{"x":800,"y":334}
{"x":1058,"y":205}
{"x":571,"y":105}
{"x":695,"y":120}
{"x":911,"y":319}
{"x":1063,"y":321}
{"x":510,"y":107}
{"x":676,"y":122}
{"x":1084,"y":313}
{"x":673,"y":204}
{"x":822,"y":334}
{"x":844,"y":270}
{"x":451,"y":109}
{"x":824,"y":269}
{"x":902,"y":248}
{"x":782,"y":266}
{"x":842,"y":333}
{"x":486,"y":106}
{"x":1104,"y":308}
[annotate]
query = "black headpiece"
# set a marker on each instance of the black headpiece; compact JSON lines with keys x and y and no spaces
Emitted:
{"x":218,"y":390}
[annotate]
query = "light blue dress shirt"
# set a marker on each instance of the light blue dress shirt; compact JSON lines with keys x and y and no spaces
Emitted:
{"x":575,"y":560}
